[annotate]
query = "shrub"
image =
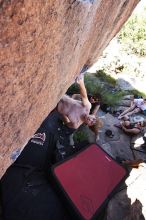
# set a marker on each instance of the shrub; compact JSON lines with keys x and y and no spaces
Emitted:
{"x":112,"y":99}
{"x":100,"y":84}
{"x":93,"y":85}
{"x":74,"y":88}
{"x":103,"y":84}
{"x":133,"y":34}
{"x":103,"y":76}
{"x":79,"y":136}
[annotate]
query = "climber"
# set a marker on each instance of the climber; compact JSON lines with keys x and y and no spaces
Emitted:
{"x":137,"y":105}
{"x":93,"y":99}
{"x":76,"y":112}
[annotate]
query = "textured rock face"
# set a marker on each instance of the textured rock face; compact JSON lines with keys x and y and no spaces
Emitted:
{"x":43,"y":46}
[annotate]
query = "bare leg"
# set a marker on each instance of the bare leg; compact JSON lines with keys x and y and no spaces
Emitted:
{"x":95,"y":110}
{"x":133,"y":131}
{"x":126,"y":111}
{"x":136,"y":110}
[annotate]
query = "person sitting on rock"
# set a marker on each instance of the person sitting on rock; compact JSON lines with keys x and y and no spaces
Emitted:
{"x":130,"y":128}
{"x":137,"y":105}
{"x":76,"y":112}
{"x":95,"y":101}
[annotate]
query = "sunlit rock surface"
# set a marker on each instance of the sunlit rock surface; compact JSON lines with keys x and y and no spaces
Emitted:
{"x":43,"y":46}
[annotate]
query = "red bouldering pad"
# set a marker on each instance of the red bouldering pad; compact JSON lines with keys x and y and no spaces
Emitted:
{"x":88,"y":179}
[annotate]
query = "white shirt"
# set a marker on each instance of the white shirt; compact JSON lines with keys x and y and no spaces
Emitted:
{"x":140,"y":104}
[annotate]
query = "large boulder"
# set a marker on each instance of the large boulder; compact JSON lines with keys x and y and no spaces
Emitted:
{"x":44,"y":45}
